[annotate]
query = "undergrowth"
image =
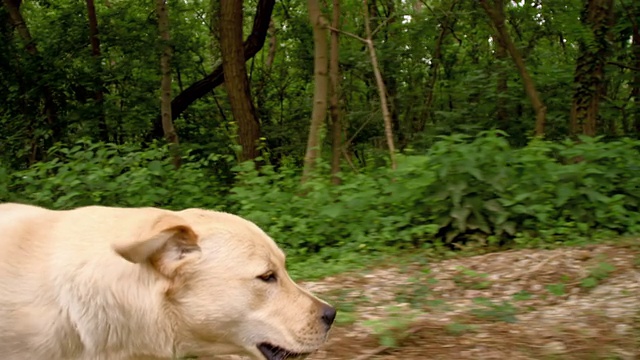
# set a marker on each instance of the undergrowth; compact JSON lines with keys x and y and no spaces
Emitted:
{"x":463,"y":192}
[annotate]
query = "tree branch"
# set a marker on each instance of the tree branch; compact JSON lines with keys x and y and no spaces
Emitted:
{"x":254,"y":42}
{"x":348,"y":34}
{"x":623,"y":66}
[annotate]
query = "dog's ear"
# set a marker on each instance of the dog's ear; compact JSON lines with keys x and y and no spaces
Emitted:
{"x":167,"y":244}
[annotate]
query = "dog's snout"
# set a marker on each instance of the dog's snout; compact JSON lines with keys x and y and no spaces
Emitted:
{"x":328,"y":314}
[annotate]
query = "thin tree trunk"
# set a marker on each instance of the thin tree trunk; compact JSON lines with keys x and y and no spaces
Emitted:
{"x":321,"y":82}
{"x":635,"y":91}
{"x":237,"y":81}
{"x":502,"y":85}
{"x":386,"y":19}
{"x":273,"y":42}
{"x":103,"y":132}
{"x":433,"y":77}
{"x":496,"y":15}
{"x":260,"y":93}
{"x":165,"y":87}
{"x":434,"y":68}
{"x":253,"y":44}
{"x":386,"y":115}
{"x":636,"y":75}
{"x":589,"y":76}
{"x":334,"y":107}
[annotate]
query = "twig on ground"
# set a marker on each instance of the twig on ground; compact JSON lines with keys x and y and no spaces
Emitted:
{"x":533,"y":269}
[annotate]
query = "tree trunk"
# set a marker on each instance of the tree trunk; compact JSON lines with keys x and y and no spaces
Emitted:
{"x":165,"y":87}
{"x":635,"y":90}
{"x":265,"y":75}
{"x":321,"y":82}
{"x":502,"y":85}
{"x":382,"y":92}
{"x":103,"y":132}
{"x":13,"y":8}
{"x":385,"y":25}
{"x":273,"y":42}
{"x":589,"y":76}
{"x":434,"y":67}
{"x":334,"y":107}
{"x":49,"y":109}
{"x":237,"y":81}
{"x":253,"y":44}
{"x":496,"y":15}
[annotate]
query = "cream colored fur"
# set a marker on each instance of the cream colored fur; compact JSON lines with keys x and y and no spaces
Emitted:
{"x":98,"y":283}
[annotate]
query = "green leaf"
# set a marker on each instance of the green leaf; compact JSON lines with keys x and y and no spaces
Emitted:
{"x":155,"y":167}
{"x":589,"y":282}
{"x":332,"y":210}
{"x":460,"y":215}
{"x":556,"y":289}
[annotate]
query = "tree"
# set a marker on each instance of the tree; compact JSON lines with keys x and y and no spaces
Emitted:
{"x":634,"y":16}
{"x":49,"y":108}
{"x":444,"y":71}
{"x":237,"y":81}
{"x":589,"y":73}
{"x":103,"y":132}
{"x":321,"y":82}
{"x":165,"y":88}
{"x":382,"y":91}
{"x":251,"y":46}
{"x":446,"y":24}
{"x":496,"y":15}
{"x":502,"y":84}
{"x":334,"y":107}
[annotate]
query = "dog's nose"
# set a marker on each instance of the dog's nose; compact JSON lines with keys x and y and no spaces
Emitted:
{"x":328,"y":314}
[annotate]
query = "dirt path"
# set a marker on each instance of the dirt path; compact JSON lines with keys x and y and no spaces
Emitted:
{"x":568,"y":303}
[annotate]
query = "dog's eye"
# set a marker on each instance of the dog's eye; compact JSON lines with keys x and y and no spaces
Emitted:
{"x":269,"y":276}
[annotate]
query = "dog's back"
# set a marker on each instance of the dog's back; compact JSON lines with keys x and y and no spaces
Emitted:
{"x":24,"y":290}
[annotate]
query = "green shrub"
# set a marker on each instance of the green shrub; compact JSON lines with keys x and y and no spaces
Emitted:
{"x":107,"y":174}
{"x":463,"y":189}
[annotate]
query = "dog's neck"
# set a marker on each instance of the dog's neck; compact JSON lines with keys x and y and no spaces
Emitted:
{"x":123,"y":321}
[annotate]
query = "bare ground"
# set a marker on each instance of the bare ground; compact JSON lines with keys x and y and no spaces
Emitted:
{"x":565,"y":303}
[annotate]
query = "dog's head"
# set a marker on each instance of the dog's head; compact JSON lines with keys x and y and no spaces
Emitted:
{"x":229,"y":290}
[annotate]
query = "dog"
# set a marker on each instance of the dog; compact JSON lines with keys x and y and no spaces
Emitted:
{"x":98,"y":283}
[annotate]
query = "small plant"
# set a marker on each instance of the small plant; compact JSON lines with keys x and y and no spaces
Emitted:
{"x":596,"y":274}
{"x":502,"y":311}
{"x":415,"y":293}
{"x":345,"y":317}
{"x":522,"y":295}
{"x":556,"y":289}
{"x":392,"y":329}
{"x":346,"y":304}
{"x":459,"y":328}
{"x":471,"y":279}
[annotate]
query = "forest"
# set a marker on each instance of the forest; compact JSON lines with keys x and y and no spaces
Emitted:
{"x":358,"y":134}
{"x":341,"y":125}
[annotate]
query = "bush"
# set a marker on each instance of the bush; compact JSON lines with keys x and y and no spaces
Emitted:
{"x":462,"y":190}
{"x":122,"y":175}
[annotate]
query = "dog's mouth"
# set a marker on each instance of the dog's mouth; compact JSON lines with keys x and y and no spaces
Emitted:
{"x":272,"y":352}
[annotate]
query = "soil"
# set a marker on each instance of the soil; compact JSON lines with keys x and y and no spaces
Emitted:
{"x":564,"y":303}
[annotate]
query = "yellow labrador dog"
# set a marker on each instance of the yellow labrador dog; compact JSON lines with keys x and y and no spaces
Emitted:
{"x":101,"y":283}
